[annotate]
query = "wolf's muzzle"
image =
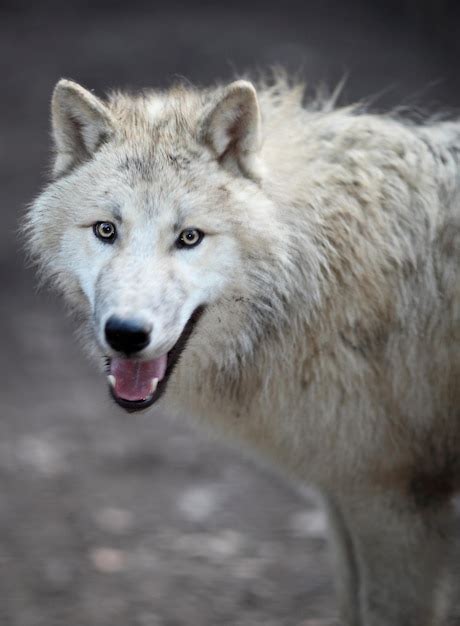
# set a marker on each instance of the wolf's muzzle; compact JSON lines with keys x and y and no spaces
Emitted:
{"x":135,"y":384}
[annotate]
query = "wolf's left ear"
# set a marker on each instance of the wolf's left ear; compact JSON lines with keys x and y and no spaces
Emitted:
{"x":232,"y":128}
{"x":81,"y":123}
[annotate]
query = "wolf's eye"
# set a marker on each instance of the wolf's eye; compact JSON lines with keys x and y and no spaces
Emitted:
{"x":105,"y":231}
{"x":189,"y":238}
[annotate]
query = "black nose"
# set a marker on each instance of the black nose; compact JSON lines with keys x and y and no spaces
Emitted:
{"x":127,"y":335}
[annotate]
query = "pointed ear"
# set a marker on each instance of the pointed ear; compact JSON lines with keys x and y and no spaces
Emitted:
{"x":81,"y":123}
{"x":232,"y":128}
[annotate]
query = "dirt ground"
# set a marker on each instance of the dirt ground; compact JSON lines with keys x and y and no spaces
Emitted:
{"x":110,"y":519}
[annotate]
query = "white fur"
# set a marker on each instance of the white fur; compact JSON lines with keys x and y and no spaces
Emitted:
{"x":330,"y":342}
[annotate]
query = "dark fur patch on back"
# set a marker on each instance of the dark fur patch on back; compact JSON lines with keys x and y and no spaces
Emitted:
{"x":432,"y":490}
{"x":365,"y":341}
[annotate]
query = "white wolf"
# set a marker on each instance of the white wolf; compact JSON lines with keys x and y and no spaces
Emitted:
{"x":290,"y":273}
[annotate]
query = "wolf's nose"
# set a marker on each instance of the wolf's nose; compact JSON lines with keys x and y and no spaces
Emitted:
{"x":127,"y":335}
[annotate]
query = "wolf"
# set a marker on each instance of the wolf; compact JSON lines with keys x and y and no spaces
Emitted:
{"x":287,"y":272}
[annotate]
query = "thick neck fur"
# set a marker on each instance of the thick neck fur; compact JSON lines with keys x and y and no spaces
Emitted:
{"x":363,"y":285}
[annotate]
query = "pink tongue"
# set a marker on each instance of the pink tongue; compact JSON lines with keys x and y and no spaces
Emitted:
{"x":133,"y":379}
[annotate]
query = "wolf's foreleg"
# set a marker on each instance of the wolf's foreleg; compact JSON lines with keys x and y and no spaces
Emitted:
{"x":347,"y":575}
{"x":401,"y":549}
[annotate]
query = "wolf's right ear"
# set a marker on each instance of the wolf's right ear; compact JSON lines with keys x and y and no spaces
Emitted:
{"x":81,"y":123}
{"x":231,"y":128}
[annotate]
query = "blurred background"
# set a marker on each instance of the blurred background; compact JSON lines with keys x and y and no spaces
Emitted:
{"x":136,"y":520}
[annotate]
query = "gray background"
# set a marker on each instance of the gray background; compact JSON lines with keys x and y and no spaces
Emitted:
{"x":110,"y":519}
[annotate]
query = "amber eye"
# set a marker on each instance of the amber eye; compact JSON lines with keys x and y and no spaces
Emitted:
{"x":189,"y":238}
{"x":105,"y":231}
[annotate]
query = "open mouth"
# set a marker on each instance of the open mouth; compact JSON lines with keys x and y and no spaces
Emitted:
{"x":136,"y":384}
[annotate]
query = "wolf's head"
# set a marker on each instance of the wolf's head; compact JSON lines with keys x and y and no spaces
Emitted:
{"x":156,"y":216}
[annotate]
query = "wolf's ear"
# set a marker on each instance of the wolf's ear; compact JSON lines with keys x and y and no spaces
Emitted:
{"x":81,"y":123}
{"x":232,"y":128}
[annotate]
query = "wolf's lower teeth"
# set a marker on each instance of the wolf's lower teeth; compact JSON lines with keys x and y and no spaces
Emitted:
{"x":111,"y":380}
{"x":154,"y":385}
